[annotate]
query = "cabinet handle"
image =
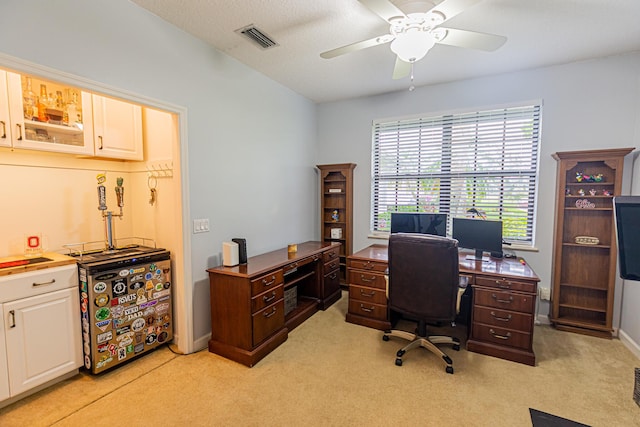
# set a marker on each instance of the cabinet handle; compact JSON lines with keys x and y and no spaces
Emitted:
{"x":267,"y":315}
{"x":502,"y":319}
{"x":315,"y":258}
{"x":19,"y":132}
{"x":50,"y":282}
{"x":503,"y":284}
{"x":100,"y":139}
{"x":367,"y":309}
{"x":367,"y":294}
{"x":504,"y":301}
{"x":13,"y":319}
{"x":271,"y":298}
{"x":502,"y":337}
{"x":364,"y":279}
{"x":4,"y":129}
{"x":333,"y":276}
{"x":265,"y":283}
{"x":368,"y":266}
{"x":332,"y":254}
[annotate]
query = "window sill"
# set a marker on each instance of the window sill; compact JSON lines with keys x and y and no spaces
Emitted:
{"x":512,"y":247}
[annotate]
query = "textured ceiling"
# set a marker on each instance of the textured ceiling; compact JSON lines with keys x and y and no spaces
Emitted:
{"x":539,"y":33}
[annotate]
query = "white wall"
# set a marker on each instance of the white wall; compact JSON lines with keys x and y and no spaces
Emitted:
{"x":586,"y":105}
{"x":251,"y":142}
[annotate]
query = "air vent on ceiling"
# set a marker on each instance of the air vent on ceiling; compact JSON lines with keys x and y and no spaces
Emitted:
{"x":257,"y":36}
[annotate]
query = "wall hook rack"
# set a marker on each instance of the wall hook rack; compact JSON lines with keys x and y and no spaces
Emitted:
{"x":160,"y":169}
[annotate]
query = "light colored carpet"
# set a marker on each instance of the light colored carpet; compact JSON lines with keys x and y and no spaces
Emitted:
{"x":333,"y":373}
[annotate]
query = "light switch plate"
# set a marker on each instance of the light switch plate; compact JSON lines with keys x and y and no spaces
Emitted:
{"x":200,"y":225}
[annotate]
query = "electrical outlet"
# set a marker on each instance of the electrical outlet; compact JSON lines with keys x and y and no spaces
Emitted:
{"x":545,"y":294}
{"x":200,"y":225}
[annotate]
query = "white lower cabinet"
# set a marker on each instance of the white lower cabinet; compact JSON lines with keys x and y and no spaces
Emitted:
{"x":41,"y":337}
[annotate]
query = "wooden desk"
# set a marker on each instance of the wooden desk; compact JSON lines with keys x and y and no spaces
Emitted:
{"x":503,"y":304}
{"x":254,"y":305}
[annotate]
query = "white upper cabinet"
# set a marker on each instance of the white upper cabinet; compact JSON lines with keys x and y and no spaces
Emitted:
{"x":117,"y":128}
{"x":5,"y":122}
{"x":48,"y":116}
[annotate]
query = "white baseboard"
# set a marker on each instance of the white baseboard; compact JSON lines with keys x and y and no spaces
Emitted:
{"x":629,"y":343}
{"x":542,"y":319}
{"x":201,"y":343}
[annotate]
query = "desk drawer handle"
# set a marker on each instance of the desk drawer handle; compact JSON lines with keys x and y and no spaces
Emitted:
{"x":364,"y":279}
{"x":367,"y":294}
{"x":50,"y":282}
{"x":503,"y":285}
{"x":293,"y":265}
{"x":267,"y":315}
{"x":367,"y":309}
{"x":504,"y":301}
{"x":265,"y":283}
{"x":333,"y":276}
{"x":502,"y":337}
{"x":271,"y":298}
{"x":315,"y":258}
{"x":502,"y":319}
{"x":331,"y":254}
{"x":368,"y":266}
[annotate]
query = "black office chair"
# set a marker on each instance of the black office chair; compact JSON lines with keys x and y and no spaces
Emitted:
{"x":423,"y":286}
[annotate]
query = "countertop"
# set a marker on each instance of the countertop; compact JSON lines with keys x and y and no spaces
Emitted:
{"x":55,"y":260}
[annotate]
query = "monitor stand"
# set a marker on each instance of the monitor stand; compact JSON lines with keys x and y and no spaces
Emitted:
{"x":477,"y":256}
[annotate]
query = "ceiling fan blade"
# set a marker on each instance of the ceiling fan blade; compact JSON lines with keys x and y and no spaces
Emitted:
{"x":383,"y":8}
{"x":472,"y":39}
{"x":401,"y":69}
{"x":450,"y":8}
{"x":357,"y":46}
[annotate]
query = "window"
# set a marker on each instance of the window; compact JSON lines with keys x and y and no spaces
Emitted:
{"x":487,"y":160}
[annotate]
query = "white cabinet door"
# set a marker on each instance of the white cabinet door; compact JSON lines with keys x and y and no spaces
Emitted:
{"x":117,"y":128}
{"x":5,"y":123}
{"x":4,"y":371}
{"x":41,"y":135}
{"x":43,"y":338}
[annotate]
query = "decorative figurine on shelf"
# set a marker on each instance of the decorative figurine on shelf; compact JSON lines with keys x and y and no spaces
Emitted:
{"x":592,"y":192}
{"x":567,"y":191}
{"x":579,"y":176}
{"x":598,"y":177}
{"x":335,"y":216}
{"x":581,"y":192}
{"x":606,"y":193}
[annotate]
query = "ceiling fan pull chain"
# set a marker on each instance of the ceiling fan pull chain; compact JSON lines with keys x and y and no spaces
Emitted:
{"x":412,"y":87}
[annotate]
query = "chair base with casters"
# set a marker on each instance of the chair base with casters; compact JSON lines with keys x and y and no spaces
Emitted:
{"x":420,"y":339}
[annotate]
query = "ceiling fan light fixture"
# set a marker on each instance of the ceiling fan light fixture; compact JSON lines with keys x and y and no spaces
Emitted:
{"x":412,"y":45}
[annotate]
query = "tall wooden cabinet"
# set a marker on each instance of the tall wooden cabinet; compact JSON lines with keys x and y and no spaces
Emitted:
{"x":336,"y":211}
{"x":584,"y":263}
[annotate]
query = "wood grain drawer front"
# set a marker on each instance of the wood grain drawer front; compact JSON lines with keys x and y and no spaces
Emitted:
{"x":330,"y":255}
{"x":332,"y":277}
{"x":504,"y":300}
{"x":367,"y":295}
{"x":503,"y":318}
{"x":331,"y":265}
{"x":379,"y":267}
{"x":266,"y":282}
{"x":264,"y":299}
{"x":365,"y":278}
{"x":501,"y":336}
{"x":296,"y":264}
{"x":267,"y":321}
{"x":366,"y":309}
{"x":506,"y":284}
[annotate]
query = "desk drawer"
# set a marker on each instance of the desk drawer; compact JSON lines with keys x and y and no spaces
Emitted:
{"x":367,"y":295}
{"x":502,"y":318}
{"x":365,"y":278}
{"x":266,"y":282}
{"x":331,"y":265}
{"x":378,"y":267}
{"x":504,"y":300}
{"x":269,"y":297}
{"x":331,"y":254}
{"x":501,"y":336}
{"x":506,"y":284}
{"x":366,"y":309}
{"x":267,"y":321}
{"x":299,"y":263}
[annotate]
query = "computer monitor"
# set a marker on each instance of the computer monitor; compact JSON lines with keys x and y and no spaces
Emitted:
{"x":479,"y":235}
{"x":419,"y":222}
{"x":627,"y":212}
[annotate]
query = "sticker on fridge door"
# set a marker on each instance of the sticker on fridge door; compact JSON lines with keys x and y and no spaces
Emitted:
{"x":119,"y":287}
{"x":101,"y":300}
{"x":99,"y":287}
{"x":103,"y":325}
{"x":103,"y":313}
{"x":107,"y":336}
{"x":122,"y":353}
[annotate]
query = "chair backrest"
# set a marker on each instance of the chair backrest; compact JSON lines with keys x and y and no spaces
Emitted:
{"x":423,"y":276}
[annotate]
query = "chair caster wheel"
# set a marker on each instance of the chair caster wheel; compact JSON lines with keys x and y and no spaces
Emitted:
{"x":400,"y":353}
{"x":398,"y":362}
{"x":456,"y":347}
{"x":449,"y":369}
{"x":385,"y":338}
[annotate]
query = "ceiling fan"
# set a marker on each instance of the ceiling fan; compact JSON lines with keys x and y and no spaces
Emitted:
{"x":417,"y":29}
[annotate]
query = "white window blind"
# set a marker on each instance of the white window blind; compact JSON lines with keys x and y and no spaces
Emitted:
{"x":487,"y":160}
